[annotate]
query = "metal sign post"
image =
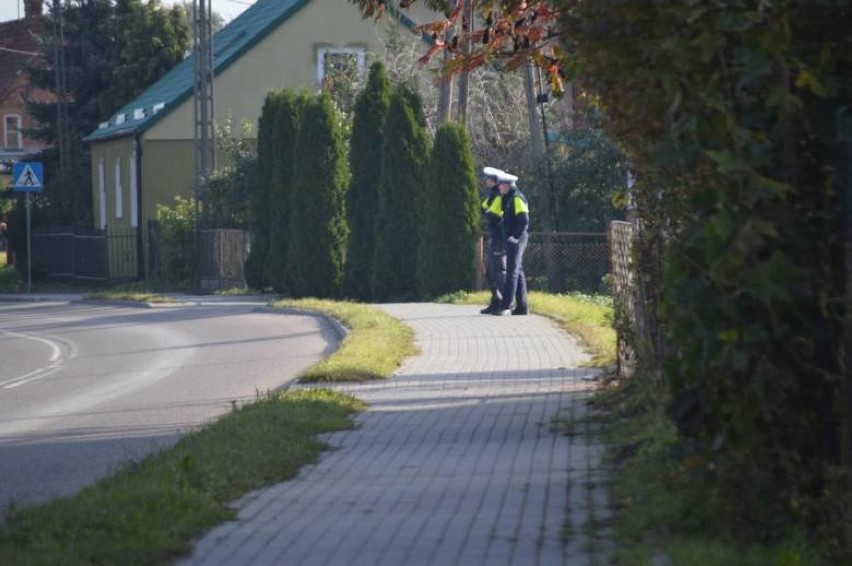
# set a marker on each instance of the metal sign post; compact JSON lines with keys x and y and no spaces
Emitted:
{"x":28,"y":179}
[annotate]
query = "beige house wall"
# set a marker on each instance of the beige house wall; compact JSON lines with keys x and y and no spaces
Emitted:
{"x":168,"y":170}
{"x":112,"y":161}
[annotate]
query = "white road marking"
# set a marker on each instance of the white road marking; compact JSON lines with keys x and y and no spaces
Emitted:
{"x":58,"y":357}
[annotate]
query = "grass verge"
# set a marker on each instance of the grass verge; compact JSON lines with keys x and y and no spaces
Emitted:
{"x":151,"y":511}
{"x":10,"y":280}
{"x":662,"y":514}
{"x":587,"y":316}
{"x":375,"y":346}
{"x":137,"y":291}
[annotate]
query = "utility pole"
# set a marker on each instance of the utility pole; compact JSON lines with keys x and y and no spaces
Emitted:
{"x":203,"y":135}
{"x":59,"y":69}
{"x":464,"y":78}
{"x":445,"y":95}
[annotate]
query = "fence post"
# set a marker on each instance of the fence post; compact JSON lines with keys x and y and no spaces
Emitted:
{"x":844,"y":184}
{"x":478,"y":264}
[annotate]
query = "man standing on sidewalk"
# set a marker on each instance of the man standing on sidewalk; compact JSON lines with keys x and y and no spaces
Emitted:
{"x":495,"y":250}
{"x":516,"y":221}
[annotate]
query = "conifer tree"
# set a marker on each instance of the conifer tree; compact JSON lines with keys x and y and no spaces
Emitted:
{"x":258,"y":209}
{"x":318,"y":229}
{"x":451,"y":220}
{"x":401,"y":197}
{"x":365,"y":161}
{"x":288,"y":108}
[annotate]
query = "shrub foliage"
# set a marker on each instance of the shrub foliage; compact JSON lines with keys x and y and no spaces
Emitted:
{"x":318,"y":229}
{"x":729,"y":111}
{"x":451,"y":216}
{"x":365,"y":159}
{"x":401,"y":197}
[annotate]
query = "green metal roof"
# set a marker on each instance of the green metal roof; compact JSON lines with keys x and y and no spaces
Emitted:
{"x":229,"y":44}
{"x":240,"y":35}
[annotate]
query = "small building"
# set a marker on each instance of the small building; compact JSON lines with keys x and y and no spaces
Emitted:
{"x":143,"y":155}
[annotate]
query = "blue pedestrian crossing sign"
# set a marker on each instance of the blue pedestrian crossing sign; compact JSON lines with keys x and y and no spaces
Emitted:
{"x":27,"y":176}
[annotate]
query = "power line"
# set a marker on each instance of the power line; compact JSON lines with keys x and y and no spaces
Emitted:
{"x":19,"y":52}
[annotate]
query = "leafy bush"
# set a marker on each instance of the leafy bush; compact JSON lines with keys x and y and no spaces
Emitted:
{"x":177,"y":236}
{"x":730,"y":113}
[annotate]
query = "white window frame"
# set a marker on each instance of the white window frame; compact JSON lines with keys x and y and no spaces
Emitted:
{"x":361,"y":52}
{"x":17,"y":131}
{"x":102,"y":190}
{"x":119,"y":190}
{"x":134,"y":193}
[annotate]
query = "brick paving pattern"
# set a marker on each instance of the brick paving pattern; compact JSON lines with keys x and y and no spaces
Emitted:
{"x":476,"y":452}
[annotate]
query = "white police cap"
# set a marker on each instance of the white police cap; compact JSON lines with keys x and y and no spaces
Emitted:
{"x":491,"y":172}
{"x":508,"y":178}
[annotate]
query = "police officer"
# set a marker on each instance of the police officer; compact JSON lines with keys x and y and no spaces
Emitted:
{"x":495,"y":259}
{"x":516,"y":221}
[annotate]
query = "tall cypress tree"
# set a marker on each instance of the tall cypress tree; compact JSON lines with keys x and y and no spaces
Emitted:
{"x":288,"y":108}
{"x":451,"y":220}
{"x":401,"y":197}
{"x":365,"y":161}
{"x":318,"y":229}
{"x":259,"y":196}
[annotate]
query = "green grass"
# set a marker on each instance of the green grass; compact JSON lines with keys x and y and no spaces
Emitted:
{"x":151,"y":511}
{"x":137,"y":291}
{"x":588,"y":317}
{"x":10,"y":280}
{"x":660,"y":509}
{"x":138,"y":297}
{"x":373,"y":349}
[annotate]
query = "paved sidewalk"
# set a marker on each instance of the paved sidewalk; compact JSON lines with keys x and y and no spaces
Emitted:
{"x":476,"y":452}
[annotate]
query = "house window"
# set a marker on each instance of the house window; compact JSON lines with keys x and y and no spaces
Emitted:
{"x":340,"y":71}
{"x":102,"y":193}
{"x":134,"y":193}
{"x":12,"y":138}
{"x":119,"y":201}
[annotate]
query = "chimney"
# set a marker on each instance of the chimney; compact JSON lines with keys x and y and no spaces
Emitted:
{"x":32,"y":8}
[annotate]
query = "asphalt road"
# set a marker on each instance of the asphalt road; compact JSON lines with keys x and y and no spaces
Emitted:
{"x":85,"y":389}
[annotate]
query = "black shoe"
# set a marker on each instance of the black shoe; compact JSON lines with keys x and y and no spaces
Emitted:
{"x":520,"y":311}
{"x":488,"y":310}
{"x":502,"y":312}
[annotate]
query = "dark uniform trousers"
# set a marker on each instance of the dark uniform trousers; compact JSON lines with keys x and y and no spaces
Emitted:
{"x":495,"y":270}
{"x":516,"y":283}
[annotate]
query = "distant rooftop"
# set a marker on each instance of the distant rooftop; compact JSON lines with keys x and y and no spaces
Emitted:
{"x":241,"y":34}
{"x":229,"y":44}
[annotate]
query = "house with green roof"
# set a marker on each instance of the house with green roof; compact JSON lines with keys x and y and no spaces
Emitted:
{"x":143,"y":154}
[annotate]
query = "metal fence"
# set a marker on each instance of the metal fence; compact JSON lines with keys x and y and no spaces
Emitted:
{"x":560,"y":262}
{"x":620,"y":249}
{"x":223,"y":252}
{"x":85,"y":255}
{"x":223,"y":256}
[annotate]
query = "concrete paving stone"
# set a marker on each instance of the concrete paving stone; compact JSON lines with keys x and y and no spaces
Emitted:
{"x":454,"y":462}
